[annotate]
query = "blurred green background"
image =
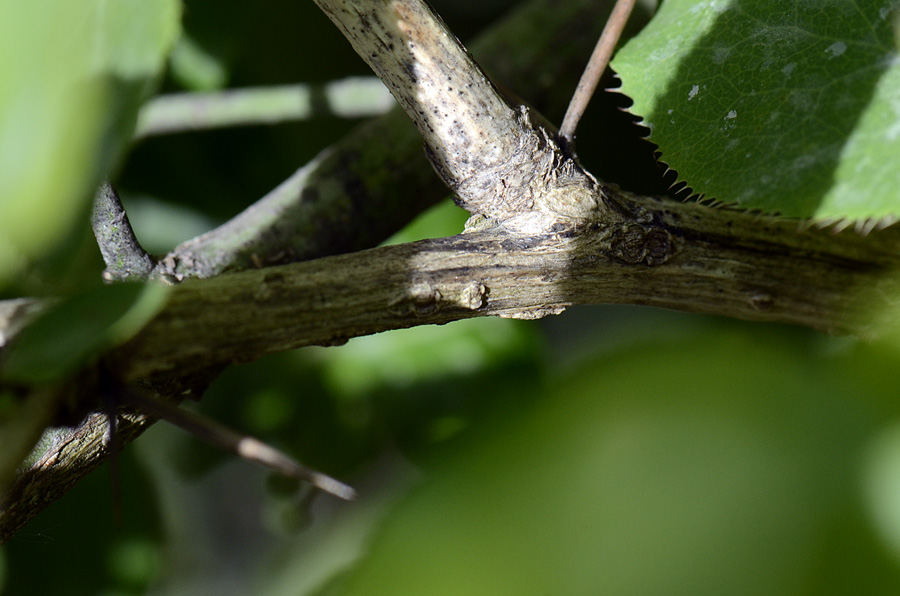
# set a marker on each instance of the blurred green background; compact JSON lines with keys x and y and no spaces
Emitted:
{"x":608,"y":450}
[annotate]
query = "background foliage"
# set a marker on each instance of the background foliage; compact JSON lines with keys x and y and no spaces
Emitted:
{"x":609,"y":450}
{"x":783,"y":107}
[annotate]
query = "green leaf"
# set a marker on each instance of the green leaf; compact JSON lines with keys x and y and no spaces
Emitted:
{"x":195,"y":68}
{"x":785,"y":107}
{"x":77,"y":328}
{"x":72,"y":75}
{"x":725,"y":464}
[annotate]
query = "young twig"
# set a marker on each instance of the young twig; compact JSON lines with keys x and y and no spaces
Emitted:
{"x":596,"y":66}
{"x":122,"y":253}
{"x":244,"y":446}
{"x":355,"y":97}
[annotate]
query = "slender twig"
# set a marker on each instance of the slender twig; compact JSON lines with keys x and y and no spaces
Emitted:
{"x":242,"y":445}
{"x":355,"y":97}
{"x":596,"y":66}
{"x":122,"y":253}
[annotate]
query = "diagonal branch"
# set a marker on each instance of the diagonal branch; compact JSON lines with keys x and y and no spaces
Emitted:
{"x":497,"y":162}
{"x":367,"y":186}
{"x":122,"y":253}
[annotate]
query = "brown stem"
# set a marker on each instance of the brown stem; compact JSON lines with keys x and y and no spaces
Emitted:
{"x":241,"y":445}
{"x":597,"y":64}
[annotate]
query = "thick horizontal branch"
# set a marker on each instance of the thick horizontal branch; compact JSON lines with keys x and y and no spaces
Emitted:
{"x":687,"y":257}
{"x":681,"y":256}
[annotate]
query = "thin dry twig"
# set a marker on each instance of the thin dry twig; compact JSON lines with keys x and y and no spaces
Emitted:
{"x":596,"y":66}
{"x":242,"y":445}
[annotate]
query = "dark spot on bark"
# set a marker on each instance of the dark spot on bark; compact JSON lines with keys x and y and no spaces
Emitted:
{"x":274,"y":279}
{"x":520,"y":243}
{"x":632,"y":244}
{"x":635,"y":244}
{"x":658,"y":246}
{"x":309,"y":195}
{"x":410,"y":67}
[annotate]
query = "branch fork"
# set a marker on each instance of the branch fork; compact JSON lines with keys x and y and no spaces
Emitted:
{"x":544,"y":235}
{"x":499,"y":163}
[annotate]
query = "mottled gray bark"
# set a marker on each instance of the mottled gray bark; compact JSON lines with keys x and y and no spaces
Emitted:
{"x":124,"y":257}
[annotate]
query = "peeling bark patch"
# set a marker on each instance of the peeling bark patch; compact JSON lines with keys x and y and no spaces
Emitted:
{"x":521,"y":243}
{"x":533,"y":313}
{"x":473,"y":296}
{"x":421,"y":299}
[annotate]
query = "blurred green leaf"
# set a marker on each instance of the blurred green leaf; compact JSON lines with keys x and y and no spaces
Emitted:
{"x":421,"y":354}
{"x":782,"y":107}
{"x":70,"y":332}
{"x":134,"y":561}
{"x":72,"y":75}
{"x":719,"y":465}
{"x":444,"y":219}
{"x":195,"y":68}
{"x":882,"y":484}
